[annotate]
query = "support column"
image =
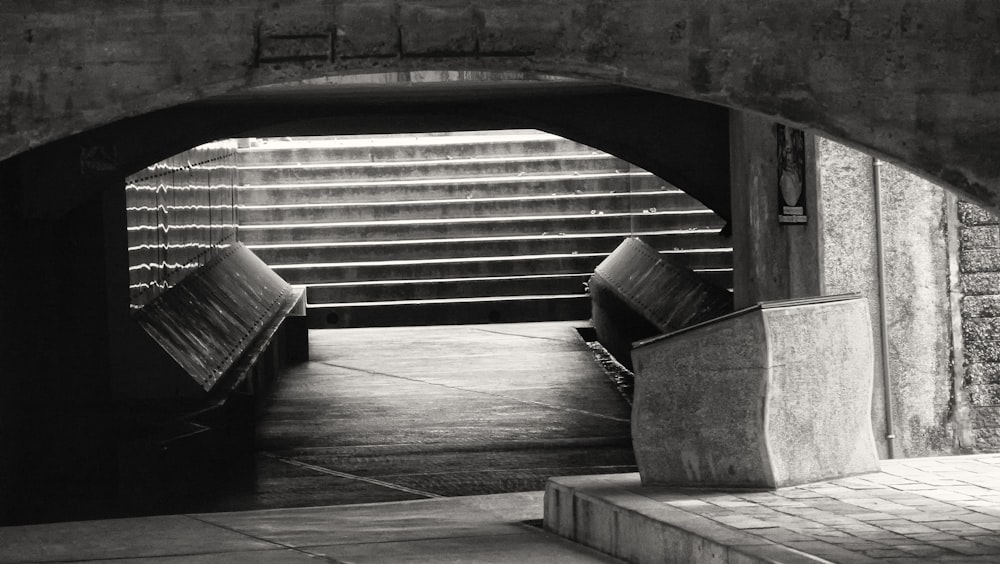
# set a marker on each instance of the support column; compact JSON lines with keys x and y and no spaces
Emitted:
{"x":776,"y":221}
{"x":835,"y":251}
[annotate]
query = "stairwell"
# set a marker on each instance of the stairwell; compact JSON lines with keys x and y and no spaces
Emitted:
{"x":479,"y":227}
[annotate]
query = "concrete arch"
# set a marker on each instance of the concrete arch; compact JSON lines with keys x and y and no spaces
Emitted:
{"x":914,"y":82}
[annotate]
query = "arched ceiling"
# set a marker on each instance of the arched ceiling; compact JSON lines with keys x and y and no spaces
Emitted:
{"x":916,"y":82}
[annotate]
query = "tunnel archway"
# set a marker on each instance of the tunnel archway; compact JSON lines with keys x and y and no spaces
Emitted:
{"x":913,"y":83}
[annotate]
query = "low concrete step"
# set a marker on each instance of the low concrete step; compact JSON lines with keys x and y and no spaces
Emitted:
{"x":441,"y":189}
{"x":493,"y":226}
{"x":432,"y":209}
{"x":713,"y":260}
{"x":410,"y":148}
{"x":476,"y":247}
{"x":492,"y":310}
{"x":441,"y":268}
{"x":455,"y":268}
{"x":398,"y":170}
{"x":339,"y":293}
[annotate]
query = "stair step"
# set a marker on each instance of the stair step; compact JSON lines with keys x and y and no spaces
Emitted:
{"x":433,"y":209}
{"x":339,"y":293}
{"x":472,"y":267}
{"x":365,"y":251}
{"x":442,"y":268}
{"x":397,"y":269}
{"x":496,"y":310}
{"x":436,"y":189}
{"x":410,"y":149}
{"x":482,"y":227}
{"x":400,"y":170}
{"x":468,"y":227}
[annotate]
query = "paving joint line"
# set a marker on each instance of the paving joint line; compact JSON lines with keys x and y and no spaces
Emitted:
{"x":525,"y":336}
{"x":460,"y":445}
{"x":339,"y":474}
{"x":274,"y":542}
{"x":530,"y":402}
{"x":523,"y":470}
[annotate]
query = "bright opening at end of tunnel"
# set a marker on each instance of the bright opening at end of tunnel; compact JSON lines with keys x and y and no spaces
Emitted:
{"x":399,"y":229}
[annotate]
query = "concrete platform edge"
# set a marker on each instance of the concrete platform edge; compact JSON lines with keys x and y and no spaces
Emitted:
{"x":609,"y":514}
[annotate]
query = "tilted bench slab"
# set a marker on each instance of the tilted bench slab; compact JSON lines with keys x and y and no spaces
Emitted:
{"x":635,"y":294}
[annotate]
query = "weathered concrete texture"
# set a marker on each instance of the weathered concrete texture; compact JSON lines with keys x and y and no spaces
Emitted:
{"x":980,"y":277}
{"x":849,"y":245}
{"x":475,"y":530}
{"x":918,"y":311}
{"x":771,"y":396}
{"x":913,"y":511}
{"x":771,"y":261}
{"x":636,"y":294}
{"x":916,"y":82}
{"x":916,"y":264}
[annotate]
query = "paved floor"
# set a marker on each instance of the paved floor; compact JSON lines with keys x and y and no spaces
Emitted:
{"x":915,"y":510}
{"x":475,"y":529}
{"x":402,"y":413}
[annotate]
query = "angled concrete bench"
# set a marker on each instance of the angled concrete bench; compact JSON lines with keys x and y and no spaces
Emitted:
{"x":217,"y":322}
{"x":230,"y":326}
{"x":770,"y":396}
{"x":636,"y":294}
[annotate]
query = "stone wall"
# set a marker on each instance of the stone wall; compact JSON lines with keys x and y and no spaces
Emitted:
{"x":979,"y":271}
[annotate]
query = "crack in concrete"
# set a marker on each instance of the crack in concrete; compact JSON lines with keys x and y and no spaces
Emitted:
{"x":525,"y":336}
{"x":511,"y":398}
{"x":279,"y":545}
{"x":355,"y":477}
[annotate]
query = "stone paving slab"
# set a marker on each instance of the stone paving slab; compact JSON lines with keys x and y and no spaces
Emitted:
{"x":474,"y":529}
{"x":943,"y":509}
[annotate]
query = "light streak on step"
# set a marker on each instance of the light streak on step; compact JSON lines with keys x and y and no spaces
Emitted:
{"x":446,"y":221}
{"x":444,"y":202}
{"x":437,"y":181}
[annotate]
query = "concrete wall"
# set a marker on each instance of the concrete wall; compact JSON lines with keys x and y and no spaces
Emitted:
{"x":771,"y":260}
{"x":915,"y":81}
{"x":836,"y":252}
{"x":917,"y":306}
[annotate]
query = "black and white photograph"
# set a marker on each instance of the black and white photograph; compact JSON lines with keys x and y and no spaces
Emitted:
{"x":500,"y":281}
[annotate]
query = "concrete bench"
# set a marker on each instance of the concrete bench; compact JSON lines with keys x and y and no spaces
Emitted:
{"x":635,"y":294}
{"x":217,"y":322}
{"x":770,"y":396}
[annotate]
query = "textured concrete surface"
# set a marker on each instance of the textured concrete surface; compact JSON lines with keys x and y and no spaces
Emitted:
{"x":914,"y":81}
{"x":918,"y":312}
{"x":401,"y":413}
{"x":484,"y":529}
{"x":917,"y":289}
{"x":847,"y":203}
{"x":392,"y":414}
{"x":771,"y":260}
{"x":764,"y":398}
{"x":636,"y":293}
{"x":912,"y":511}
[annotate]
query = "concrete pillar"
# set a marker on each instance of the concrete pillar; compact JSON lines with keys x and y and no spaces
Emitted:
{"x":914,"y":240}
{"x":773,"y":258}
{"x":836,"y":251}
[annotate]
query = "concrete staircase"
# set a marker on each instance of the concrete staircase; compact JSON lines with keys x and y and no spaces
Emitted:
{"x":479,"y":227}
